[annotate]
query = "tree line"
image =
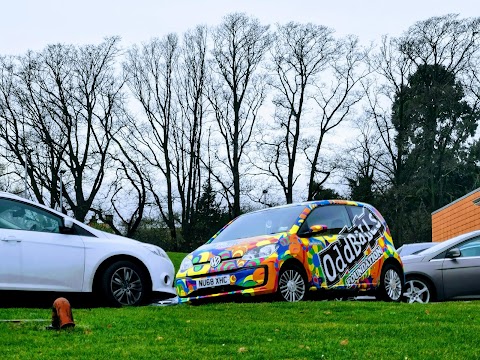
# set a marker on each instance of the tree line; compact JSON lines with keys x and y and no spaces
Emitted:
{"x":182,"y":133}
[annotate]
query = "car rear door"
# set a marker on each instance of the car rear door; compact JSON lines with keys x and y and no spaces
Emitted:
{"x":461,"y":274}
{"x":42,"y":257}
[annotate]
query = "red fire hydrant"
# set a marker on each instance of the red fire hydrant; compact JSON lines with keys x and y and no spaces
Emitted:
{"x":62,"y":317}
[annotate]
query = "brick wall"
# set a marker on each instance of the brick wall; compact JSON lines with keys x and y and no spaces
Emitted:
{"x":458,"y":217}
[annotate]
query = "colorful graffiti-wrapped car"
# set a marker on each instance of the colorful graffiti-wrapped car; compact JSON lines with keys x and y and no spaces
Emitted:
{"x":292,"y":249}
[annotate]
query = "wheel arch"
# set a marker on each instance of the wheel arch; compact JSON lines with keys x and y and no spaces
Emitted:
{"x":97,"y":279}
{"x":394,"y":262}
{"x":296,"y":265}
{"x":294,"y":262}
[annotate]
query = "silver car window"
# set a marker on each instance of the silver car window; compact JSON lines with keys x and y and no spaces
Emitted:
{"x":470,"y":248}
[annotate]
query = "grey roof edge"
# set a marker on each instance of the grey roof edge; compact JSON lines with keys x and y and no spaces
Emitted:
{"x":455,"y":201}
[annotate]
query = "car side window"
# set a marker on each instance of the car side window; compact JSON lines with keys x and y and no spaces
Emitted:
{"x":19,"y":216}
{"x":357,"y":211}
{"x":335,"y":217}
{"x":470,"y":248}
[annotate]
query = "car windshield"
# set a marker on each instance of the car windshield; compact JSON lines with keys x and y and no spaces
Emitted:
{"x":413,"y":249}
{"x":416,"y":252}
{"x":265,"y":222}
{"x":441,"y":245}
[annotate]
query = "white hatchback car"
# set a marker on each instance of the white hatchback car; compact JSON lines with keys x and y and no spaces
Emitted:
{"x":44,"y":250}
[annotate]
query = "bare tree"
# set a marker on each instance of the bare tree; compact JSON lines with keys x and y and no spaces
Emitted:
{"x":299,"y":55}
{"x":31,"y":138}
{"x":362,"y":163}
{"x":442,"y":40}
{"x":149,"y":72}
{"x":236,"y":94}
{"x":187,"y":134}
{"x":123,"y":206}
{"x":61,"y":114}
{"x":335,"y":99}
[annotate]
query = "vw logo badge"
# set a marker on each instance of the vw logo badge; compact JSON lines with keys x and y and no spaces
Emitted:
{"x":215,"y":261}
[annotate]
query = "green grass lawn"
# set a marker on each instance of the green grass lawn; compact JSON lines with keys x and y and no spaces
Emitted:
{"x":306,"y":330}
{"x":263,"y":330}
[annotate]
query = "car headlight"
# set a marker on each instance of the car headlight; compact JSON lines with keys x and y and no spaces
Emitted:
{"x":260,"y":252}
{"x":185,"y":265}
{"x":157,"y":251}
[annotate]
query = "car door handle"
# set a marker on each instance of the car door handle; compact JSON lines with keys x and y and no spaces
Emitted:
{"x":11,"y":239}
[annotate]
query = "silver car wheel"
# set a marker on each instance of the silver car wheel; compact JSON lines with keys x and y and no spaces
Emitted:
{"x":417,"y":291}
{"x":393,"y":284}
{"x":292,"y":285}
{"x":126,"y":286}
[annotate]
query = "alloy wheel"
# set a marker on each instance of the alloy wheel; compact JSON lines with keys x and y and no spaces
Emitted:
{"x":417,"y":291}
{"x":292,"y":285}
{"x":393,"y":284}
{"x":126,"y":286}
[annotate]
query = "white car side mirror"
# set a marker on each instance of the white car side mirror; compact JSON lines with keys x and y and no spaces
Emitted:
{"x":68,"y":223}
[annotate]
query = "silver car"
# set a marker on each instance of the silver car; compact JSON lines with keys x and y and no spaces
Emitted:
{"x":448,"y":270}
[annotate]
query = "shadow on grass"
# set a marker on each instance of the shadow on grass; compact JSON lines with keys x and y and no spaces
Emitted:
{"x":311,"y":296}
{"x":34,"y":299}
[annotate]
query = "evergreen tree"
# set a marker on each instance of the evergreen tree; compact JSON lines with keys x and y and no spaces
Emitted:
{"x":207,"y":220}
{"x":433,"y":126}
{"x":361,"y":189}
{"x":324,"y":193}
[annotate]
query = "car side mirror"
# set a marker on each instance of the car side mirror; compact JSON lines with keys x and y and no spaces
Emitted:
{"x":313,"y":230}
{"x":67,"y":227}
{"x":453,"y":253}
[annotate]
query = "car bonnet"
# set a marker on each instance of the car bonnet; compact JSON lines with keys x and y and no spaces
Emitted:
{"x":231,"y":249}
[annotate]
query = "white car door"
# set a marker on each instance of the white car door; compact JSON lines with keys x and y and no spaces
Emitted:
{"x":10,"y":252}
{"x":10,"y":271}
{"x":47,"y":259}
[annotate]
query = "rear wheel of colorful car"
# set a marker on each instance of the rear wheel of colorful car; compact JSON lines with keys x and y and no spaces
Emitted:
{"x":291,"y":284}
{"x":391,"y":283}
{"x":123,"y":283}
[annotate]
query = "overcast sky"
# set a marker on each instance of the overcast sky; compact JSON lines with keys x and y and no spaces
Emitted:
{"x":33,"y":24}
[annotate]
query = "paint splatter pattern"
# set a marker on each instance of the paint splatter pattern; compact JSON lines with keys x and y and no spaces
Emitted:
{"x":260,"y":276}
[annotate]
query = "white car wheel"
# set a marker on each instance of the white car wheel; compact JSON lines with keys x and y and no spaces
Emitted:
{"x":124,"y":284}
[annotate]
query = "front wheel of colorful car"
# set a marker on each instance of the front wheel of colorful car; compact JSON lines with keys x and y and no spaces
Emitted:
{"x":124,"y":284}
{"x":417,"y":290}
{"x":391,"y":284}
{"x":291,"y":284}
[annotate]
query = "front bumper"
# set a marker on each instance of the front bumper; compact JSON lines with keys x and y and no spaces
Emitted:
{"x":248,"y":280}
{"x":162,"y":274}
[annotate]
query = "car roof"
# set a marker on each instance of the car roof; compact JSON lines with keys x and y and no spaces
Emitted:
{"x":315,"y":202}
{"x":11,"y":196}
{"x":420,"y":245}
{"x":7,"y":195}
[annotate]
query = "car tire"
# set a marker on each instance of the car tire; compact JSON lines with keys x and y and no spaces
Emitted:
{"x":292,"y":285}
{"x":417,"y":290}
{"x":391,"y":284}
{"x":124,"y":284}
